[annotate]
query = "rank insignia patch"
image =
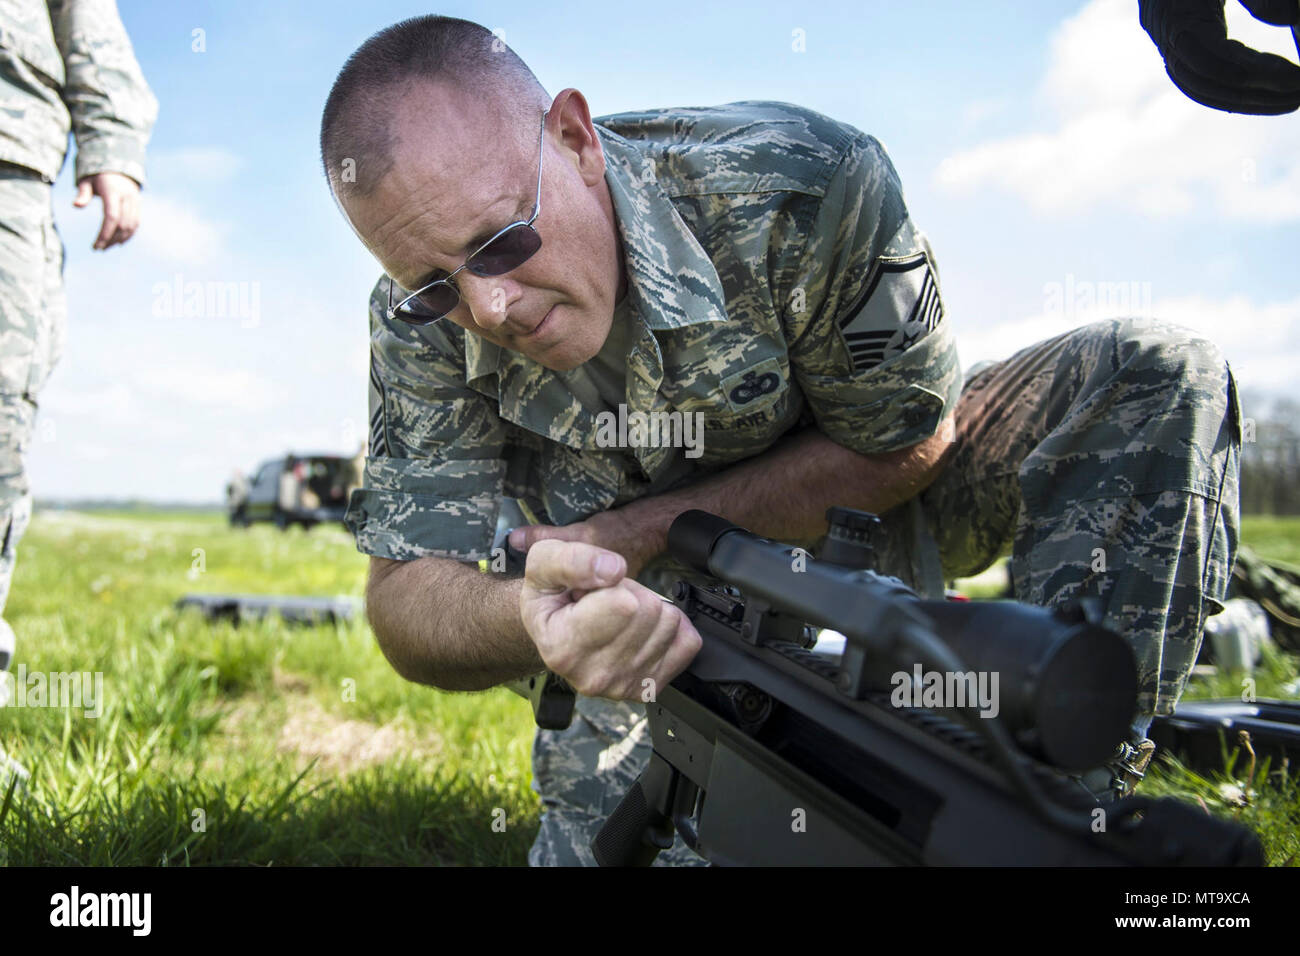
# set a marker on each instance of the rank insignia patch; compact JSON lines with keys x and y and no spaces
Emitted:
{"x":378,"y":423}
{"x":900,"y":304}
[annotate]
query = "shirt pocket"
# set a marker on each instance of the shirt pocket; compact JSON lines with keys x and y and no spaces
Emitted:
{"x":730,"y":434}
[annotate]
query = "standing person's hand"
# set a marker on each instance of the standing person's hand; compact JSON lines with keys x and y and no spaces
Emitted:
{"x":120,"y":195}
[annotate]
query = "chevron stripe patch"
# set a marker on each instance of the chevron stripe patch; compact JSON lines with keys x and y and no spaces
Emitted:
{"x":900,"y":304}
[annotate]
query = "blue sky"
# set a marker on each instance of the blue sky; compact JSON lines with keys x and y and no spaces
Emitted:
{"x":1058,"y":173}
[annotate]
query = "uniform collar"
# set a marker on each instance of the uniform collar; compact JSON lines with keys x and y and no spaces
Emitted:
{"x":671,"y":279}
{"x":672,"y":283}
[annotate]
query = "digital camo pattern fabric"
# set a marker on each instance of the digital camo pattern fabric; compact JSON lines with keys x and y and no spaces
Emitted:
{"x":67,"y":66}
{"x":758,"y":236}
{"x":780,"y":285}
{"x":1108,"y":459}
{"x":32,"y":311}
{"x":583,"y":773}
{"x":33,"y":317}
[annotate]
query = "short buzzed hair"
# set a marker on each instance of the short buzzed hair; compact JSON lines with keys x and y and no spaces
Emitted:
{"x":357,"y":140}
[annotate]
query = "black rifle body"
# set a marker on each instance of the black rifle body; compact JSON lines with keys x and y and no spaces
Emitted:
{"x":768,"y":754}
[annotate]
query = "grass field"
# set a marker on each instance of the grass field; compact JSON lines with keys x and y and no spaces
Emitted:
{"x":275,"y":745}
{"x":263,"y":744}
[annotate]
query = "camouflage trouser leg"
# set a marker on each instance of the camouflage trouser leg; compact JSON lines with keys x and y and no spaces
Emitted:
{"x":1108,"y":457}
{"x":32,"y":322}
{"x":582,"y":773}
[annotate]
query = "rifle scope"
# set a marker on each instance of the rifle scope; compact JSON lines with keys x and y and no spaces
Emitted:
{"x":1066,"y":687}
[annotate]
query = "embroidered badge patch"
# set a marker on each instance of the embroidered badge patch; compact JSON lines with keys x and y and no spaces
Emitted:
{"x":900,"y":304}
{"x":745,"y":389}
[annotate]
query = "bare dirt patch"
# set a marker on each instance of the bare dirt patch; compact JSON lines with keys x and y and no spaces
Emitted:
{"x":339,"y":745}
{"x":344,"y":746}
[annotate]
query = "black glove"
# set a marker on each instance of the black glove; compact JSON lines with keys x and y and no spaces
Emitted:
{"x":1192,"y":36}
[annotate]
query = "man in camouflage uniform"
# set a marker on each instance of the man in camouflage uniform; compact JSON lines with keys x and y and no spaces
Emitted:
{"x":65,"y":66}
{"x":764,"y":272}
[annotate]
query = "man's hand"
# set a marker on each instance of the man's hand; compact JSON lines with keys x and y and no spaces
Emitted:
{"x":600,"y":630}
{"x":1192,"y":36}
{"x":121,"y":197}
{"x":611,"y":530}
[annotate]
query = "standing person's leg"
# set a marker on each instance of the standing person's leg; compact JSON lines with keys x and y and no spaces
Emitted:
{"x":1109,"y":456}
{"x":32,"y":322}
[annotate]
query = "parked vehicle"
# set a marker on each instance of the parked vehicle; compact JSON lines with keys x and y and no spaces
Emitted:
{"x":304,"y":489}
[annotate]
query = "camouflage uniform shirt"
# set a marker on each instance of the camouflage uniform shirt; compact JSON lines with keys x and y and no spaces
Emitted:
{"x":67,"y":66}
{"x":775,"y":282}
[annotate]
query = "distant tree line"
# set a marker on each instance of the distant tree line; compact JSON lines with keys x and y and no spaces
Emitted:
{"x":1270,"y":460}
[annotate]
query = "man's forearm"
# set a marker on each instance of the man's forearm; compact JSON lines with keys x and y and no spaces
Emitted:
{"x":784,"y":493}
{"x":443,"y":623}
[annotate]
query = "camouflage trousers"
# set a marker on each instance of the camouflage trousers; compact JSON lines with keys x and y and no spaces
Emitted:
{"x":581,"y":775}
{"x":1105,"y":459}
{"x":32,"y":323}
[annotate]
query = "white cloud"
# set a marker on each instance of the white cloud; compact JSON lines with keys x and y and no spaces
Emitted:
{"x":1261,"y":341}
{"x":1125,"y":134}
{"x":221,"y":388}
{"x":192,"y":166}
{"x":1101,"y":58}
{"x":111,"y":404}
{"x":358,"y":358}
{"x":87,"y":451}
{"x":175,"y":232}
{"x":977,"y":111}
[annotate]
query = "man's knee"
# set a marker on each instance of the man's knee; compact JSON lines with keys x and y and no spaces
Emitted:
{"x":1160,"y":351}
{"x":1166,"y":388}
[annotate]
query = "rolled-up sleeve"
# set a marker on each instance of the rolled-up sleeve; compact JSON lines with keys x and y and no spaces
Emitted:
{"x":433,"y":479}
{"x":870,"y":343}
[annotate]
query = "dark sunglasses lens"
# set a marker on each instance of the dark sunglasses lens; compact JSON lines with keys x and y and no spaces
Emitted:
{"x":438,"y":301}
{"x":507,"y":251}
{"x":429,"y":306}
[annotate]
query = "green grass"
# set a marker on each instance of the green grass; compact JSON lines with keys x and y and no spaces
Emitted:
{"x":1277,"y":539}
{"x":263,"y":744}
{"x":1264,"y":797}
{"x":301,"y":746}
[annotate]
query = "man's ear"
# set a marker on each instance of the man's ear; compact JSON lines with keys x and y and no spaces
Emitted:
{"x":577,"y":134}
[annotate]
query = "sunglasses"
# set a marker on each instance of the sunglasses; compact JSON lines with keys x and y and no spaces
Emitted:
{"x":508,"y":249}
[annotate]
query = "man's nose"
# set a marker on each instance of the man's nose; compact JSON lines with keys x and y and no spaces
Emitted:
{"x":489,"y":298}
